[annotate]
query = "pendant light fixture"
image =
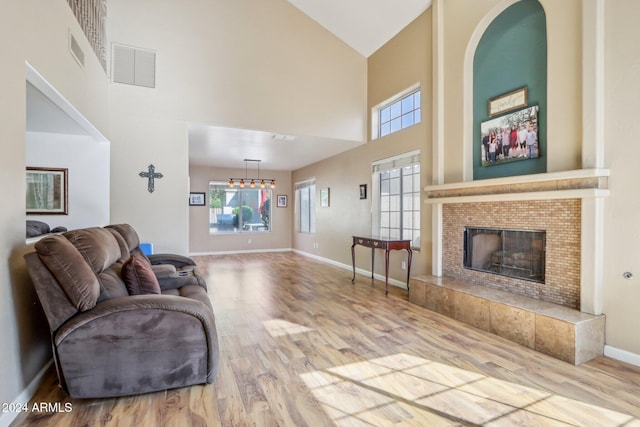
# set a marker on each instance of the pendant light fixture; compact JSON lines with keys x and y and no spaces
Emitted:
{"x":252,"y":181}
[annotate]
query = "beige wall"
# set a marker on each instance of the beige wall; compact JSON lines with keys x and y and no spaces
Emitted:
{"x":201,"y":242}
{"x":37,"y":32}
{"x":402,"y":62}
{"x":224,"y":63}
{"x":622,"y":227}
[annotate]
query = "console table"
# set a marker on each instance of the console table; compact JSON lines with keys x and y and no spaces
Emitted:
{"x":386,"y":244}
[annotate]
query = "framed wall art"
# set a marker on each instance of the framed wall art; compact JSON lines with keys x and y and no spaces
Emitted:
{"x":281,"y":200}
{"x":197,"y":199}
{"x":47,"y":191}
{"x":510,"y":138}
{"x":508,"y":102}
{"x":363,"y":191}
{"x":324,"y":197}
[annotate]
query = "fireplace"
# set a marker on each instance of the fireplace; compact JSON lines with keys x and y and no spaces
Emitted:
{"x":506,"y":252}
{"x":566,"y":260}
{"x":560,"y":220}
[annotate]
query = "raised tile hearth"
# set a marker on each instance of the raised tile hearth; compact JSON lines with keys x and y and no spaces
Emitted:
{"x":552,"y":329}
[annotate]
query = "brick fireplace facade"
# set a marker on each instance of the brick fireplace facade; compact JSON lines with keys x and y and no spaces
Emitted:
{"x":561,"y":219}
{"x":567,"y":205}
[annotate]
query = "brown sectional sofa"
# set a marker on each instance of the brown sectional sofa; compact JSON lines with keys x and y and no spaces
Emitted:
{"x":122,"y":323}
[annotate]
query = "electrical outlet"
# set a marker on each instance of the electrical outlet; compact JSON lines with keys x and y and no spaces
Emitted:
{"x":404,"y":265}
{"x":249,"y":241}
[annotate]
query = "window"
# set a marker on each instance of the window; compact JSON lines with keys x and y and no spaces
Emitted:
{"x":238,"y":210}
{"x":398,"y":113}
{"x":306,"y":206}
{"x":397,"y":198}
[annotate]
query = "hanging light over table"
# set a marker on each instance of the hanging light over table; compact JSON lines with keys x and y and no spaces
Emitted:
{"x":252,"y":181}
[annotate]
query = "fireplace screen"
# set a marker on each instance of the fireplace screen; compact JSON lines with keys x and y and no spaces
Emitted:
{"x":513,"y":253}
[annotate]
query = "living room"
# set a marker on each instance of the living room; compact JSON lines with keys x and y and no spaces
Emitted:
{"x":236,"y":65}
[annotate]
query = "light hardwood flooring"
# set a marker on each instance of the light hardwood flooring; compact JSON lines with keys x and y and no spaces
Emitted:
{"x":302,"y":346}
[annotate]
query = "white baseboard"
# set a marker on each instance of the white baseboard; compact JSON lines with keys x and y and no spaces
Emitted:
{"x":360,"y":271}
{"x":622,"y":355}
{"x":250,"y":251}
{"x":6,"y":418}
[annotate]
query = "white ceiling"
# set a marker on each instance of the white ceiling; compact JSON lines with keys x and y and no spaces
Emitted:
{"x":365,"y":25}
{"x":228,"y":147}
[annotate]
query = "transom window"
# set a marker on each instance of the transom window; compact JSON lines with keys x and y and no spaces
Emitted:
{"x":238,"y":210}
{"x":401,"y":112}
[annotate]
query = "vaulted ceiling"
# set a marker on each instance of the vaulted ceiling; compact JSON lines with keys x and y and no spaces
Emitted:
{"x":365,"y":25}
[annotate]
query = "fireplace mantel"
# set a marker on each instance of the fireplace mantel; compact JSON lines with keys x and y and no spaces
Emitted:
{"x":575,"y":184}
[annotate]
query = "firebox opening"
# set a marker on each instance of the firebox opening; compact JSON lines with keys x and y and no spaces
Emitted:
{"x":513,"y":253}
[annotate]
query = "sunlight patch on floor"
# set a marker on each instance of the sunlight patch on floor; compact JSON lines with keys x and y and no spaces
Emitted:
{"x":410,"y":390}
{"x":279,"y":328}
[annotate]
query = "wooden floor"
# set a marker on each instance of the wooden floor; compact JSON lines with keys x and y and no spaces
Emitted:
{"x":303,"y":346}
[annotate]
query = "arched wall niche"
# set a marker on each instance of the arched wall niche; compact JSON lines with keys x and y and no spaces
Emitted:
{"x":508,"y":52}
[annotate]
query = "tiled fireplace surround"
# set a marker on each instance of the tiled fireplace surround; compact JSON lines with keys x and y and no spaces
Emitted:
{"x":560,"y":317}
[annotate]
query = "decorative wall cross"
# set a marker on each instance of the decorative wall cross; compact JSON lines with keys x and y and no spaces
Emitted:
{"x":151,"y":175}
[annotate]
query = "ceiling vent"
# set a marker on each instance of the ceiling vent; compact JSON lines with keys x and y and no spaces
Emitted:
{"x":75,"y":50}
{"x":134,"y":66}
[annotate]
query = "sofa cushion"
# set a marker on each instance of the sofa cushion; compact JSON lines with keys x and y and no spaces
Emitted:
{"x":138,"y":277}
{"x":111,"y":282}
{"x":97,"y":245}
{"x":70,"y":269}
{"x":128,"y":233}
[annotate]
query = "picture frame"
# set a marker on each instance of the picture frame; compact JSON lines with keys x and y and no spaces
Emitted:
{"x":363,"y":191}
{"x":281,"y":200}
{"x":520,"y":128}
{"x":508,"y":102}
{"x":197,"y":199}
{"x":324,"y":197}
{"x":47,"y":191}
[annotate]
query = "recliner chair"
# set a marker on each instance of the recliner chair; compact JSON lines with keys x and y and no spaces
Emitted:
{"x":109,"y":343}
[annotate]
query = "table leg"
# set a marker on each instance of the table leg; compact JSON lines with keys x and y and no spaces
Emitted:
{"x":386,"y":271}
{"x":373,"y":258}
{"x":353,"y":261}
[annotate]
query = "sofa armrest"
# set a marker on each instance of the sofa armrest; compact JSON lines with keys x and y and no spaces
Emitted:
{"x":141,"y":343}
{"x":173,"y":259}
{"x":138,"y":303}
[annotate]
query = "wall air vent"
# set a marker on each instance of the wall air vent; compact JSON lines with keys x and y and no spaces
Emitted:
{"x":134,"y":66}
{"x":76,"y":50}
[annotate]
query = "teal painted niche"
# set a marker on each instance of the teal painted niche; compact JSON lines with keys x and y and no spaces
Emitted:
{"x":511,"y":54}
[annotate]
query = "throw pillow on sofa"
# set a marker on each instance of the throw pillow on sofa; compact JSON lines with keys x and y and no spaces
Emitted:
{"x":138,"y":277}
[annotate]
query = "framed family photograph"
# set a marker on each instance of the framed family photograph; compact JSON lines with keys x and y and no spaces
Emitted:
{"x":510,"y":138}
{"x":197,"y":199}
{"x":47,"y":191}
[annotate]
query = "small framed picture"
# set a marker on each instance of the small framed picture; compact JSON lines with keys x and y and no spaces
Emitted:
{"x":282,"y":200}
{"x":508,"y":102}
{"x":324,"y":197}
{"x":363,"y":191}
{"x":197,"y":199}
{"x":47,"y":191}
